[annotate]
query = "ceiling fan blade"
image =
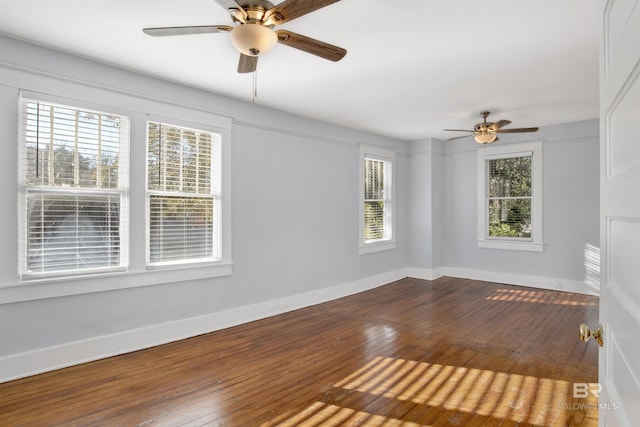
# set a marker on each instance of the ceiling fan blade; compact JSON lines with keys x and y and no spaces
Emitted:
{"x":247,"y":64}
{"x":179,"y":31}
{"x":457,"y":137}
{"x":501,"y":123}
{"x":229,"y":4}
{"x":292,"y":9}
{"x":312,"y":46}
{"x":234,"y":9}
{"x":517,"y":130}
{"x":459,"y":130}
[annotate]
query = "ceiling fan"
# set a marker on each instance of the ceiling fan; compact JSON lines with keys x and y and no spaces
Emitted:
{"x":254,"y":34}
{"x":486,"y":132}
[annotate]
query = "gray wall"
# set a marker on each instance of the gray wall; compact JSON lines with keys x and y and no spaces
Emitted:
{"x":294,"y":216}
{"x":425,"y":204}
{"x":570,"y":205}
{"x":295,"y":212}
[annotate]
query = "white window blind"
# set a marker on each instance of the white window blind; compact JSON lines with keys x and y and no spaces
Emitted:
{"x":73,"y":190}
{"x":377,"y":200}
{"x":509,"y":197}
{"x":183,"y":195}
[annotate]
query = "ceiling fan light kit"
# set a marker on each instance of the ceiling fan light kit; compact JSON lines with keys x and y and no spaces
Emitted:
{"x":487,"y":132}
{"x":253,"y":39}
{"x":484,"y":137}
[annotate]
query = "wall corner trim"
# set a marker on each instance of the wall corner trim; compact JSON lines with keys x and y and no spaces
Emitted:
{"x":424,"y":273}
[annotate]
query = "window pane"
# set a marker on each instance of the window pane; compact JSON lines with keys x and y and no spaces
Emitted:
{"x":181,"y":228}
{"x":373,"y":179}
{"x":71,"y":148}
{"x":374,"y":220}
{"x":179,"y":159}
{"x":510,"y":217}
{"x":72,"y":232}
{"x":510,"y":177}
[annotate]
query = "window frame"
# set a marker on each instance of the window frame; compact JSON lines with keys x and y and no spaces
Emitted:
{"x":486,"y":153}
{"x":388,"y":156}
{"x":137,"y":108}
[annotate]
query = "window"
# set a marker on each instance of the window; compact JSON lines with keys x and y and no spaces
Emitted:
{"x":376,"y":207}
{"x":86,"y":193}
{"x":510,"y":196}
{"x":183,"y":195}
{"x":73,"y":190}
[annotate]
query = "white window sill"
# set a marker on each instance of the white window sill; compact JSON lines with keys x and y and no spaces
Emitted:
{"x":511,"y":246}
{"x":369,"y":248}
{"x":51,"y":288}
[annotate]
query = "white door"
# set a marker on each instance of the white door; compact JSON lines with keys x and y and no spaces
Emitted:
{"x":619,"y":366}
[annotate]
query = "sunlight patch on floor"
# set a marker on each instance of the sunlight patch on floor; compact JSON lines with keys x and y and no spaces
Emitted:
{"x":322,"y":414}
{"x":541,"y":297}
{"x":485,"y":392}
{"x":453,"y":389}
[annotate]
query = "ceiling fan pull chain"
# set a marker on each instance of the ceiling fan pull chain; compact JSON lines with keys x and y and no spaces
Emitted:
{"x":255,"y":87}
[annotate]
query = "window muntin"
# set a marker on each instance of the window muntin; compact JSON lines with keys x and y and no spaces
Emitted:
{"x":183,"y":195}
{"x":73,"y":190}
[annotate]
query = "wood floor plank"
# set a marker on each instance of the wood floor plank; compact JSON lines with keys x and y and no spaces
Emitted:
{"x":411,"y":353}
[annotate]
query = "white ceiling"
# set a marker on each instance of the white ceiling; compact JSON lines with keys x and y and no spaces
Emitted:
{"x":413,"y":67}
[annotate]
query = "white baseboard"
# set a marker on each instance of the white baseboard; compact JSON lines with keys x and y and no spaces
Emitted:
{"x":424,"y":273}
{"x":50,"y":358}
{"x":540,"y":282}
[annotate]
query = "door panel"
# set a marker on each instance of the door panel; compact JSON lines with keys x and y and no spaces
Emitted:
{"x":619,"y":365}
{"x":624,"y":125}
{"x":624,"y":266}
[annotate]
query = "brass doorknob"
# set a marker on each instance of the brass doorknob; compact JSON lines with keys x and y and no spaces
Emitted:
{"x":586,"y":334}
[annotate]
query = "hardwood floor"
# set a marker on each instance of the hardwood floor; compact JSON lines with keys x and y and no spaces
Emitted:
{"x":411,"y":353}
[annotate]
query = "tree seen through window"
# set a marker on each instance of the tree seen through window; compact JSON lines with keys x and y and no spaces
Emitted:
{"x":509,"y":197}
